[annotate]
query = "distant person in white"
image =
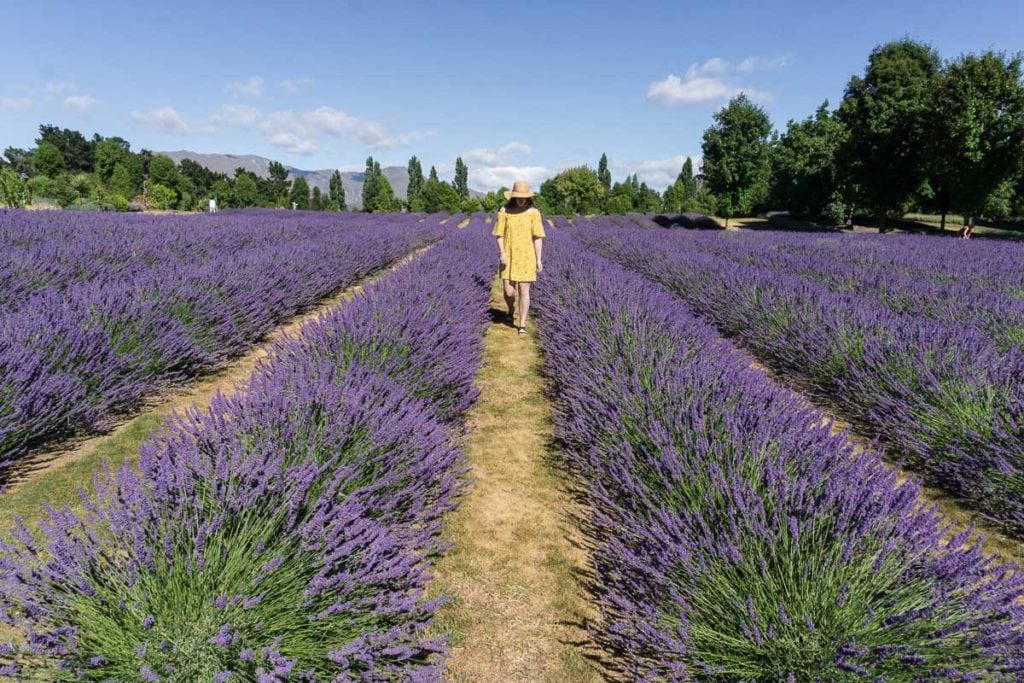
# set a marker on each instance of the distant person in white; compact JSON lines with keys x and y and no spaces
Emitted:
{"x":213,"y":206}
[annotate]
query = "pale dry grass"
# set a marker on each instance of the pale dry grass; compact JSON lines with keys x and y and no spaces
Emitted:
{"x":518,"y":605}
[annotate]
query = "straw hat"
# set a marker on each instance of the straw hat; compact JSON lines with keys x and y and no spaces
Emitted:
{"x":520,"y":188}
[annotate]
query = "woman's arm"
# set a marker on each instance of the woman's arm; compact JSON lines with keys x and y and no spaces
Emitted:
{"x":538,"y":249}
{"x":501,"y":248}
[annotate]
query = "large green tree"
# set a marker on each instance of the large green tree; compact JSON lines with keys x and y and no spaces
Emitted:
{"x":299,"y":194}
{"x":74,"y":147}
{"x":163,"y":170}
{"x":412,"y":193}
{"x":574,"y":190}
{"x":336,"y":192}
{"x":439,"y":196}
{"x":461,"y":183}
{"x":648,"y":200}
{"x":246,"y":191}
{"x":278,"y":183}
{"x":20,"y":160}
{"x":805,"y":181}
{"x":621,"y":199}
{"x":604,"y":175}
{"x":48,"y":160}
{"x":370,"y":184}
{"x":977,"y":133}
{"x":681,"y":195}
{"x":202,"y":178}
{"x":378,"y":195}
{"x":886,"y":153}
{"x":123,"y":183}
{"x":493,"y":201}
{"x":13,"y":192}
{"x":688,"y":180}
{"x":737,"y":157}
{"x":108,"y":153}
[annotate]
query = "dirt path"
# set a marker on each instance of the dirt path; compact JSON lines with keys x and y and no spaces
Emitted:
{"x":993,"y":540}
{"x":57,"y":474}
{"x":514,"y":566}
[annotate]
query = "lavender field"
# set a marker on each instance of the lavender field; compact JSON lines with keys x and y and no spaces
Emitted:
{"x":290,"y":530}
{"x":98,"y":312}
{"x":737,"y":538}
{"x":920,"y":340}
{"x":286,"y":532}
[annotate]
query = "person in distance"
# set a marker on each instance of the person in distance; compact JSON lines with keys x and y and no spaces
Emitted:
{"x":519,"y":228}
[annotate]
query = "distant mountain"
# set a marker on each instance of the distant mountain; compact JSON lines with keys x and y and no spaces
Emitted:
{"x":352,"y":181}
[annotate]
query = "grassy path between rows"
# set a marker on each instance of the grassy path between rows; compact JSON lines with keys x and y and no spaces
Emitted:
{"x":57,"y":477}
{"x":514,"y":568}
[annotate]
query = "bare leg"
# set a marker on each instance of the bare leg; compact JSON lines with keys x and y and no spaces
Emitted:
{"x":510,"y":297}
{"x":524,"y":302}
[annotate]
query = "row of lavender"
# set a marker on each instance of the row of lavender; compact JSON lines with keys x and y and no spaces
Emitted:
{"x":737,"y":539}
{"x":99,"y":312}
{"x":942,"y":393}
{"x":285,"y":534}
{"x":900,"y":273}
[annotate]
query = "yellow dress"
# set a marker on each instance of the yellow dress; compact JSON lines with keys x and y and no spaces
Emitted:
{"x":519,"y":229}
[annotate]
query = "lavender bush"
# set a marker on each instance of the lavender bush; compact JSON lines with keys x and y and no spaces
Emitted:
{"x":285,"y":533}
{"x":940,"y":384}
{"x":736,"y":538}
{"x":101,"y":311}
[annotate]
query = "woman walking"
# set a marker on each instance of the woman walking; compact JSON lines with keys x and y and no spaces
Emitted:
{"x":519,"y":228}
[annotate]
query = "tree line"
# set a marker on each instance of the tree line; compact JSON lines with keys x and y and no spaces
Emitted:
{"x":104,"y":173}
{"x":911,"y":134}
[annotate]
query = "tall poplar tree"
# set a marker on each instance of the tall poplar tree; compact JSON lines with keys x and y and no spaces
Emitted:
{"x":369,"y":184}
{"x":412,"y":194}
{"x":461,"y":179}
{"x":336,"y":192}
{"x":604,"y":175}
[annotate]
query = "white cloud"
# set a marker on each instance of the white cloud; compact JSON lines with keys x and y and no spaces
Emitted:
{"x":15,"y":103}
{"x":714,"y":66}
{"x":757,"y":63}
{"x":492,"y":177}
{"x":305,"y":130}
{"x":59,"y":88}
{"x":491,"y":156}
{"x":290,"y":142}
{"x":168,"y":120}
{"x":674,"y":90}
{"x":712,"y":81}
{"x":253,"y":87}
{"x":295,"y":85}
{"x":80,"y":103}
{"x":240,"y":115}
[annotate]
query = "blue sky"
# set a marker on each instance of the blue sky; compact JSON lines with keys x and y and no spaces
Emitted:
{"x":518,"y":89}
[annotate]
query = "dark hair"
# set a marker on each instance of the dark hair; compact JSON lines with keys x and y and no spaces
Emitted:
{"x":512,"y":202}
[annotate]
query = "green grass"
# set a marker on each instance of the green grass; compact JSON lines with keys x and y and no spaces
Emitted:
{"x":61,"y":486}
